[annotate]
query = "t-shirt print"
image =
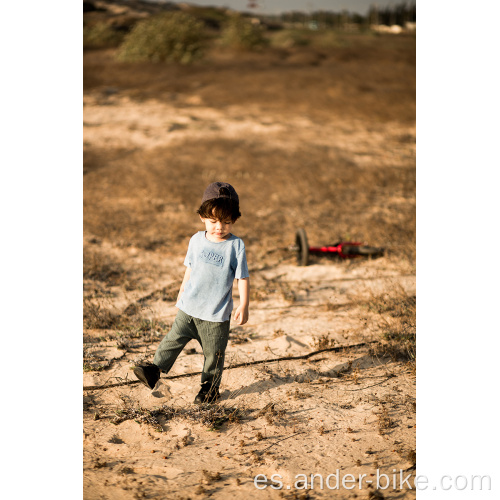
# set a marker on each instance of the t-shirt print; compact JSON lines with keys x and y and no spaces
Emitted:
{"x":211,"y":257}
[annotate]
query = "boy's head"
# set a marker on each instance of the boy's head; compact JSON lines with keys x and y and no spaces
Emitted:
{"x":220,"y":202}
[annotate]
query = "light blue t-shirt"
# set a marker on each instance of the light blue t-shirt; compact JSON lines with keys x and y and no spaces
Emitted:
{"x":214,"y":266}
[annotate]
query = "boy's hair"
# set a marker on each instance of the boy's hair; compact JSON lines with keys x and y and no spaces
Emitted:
{"x":220,"y":209}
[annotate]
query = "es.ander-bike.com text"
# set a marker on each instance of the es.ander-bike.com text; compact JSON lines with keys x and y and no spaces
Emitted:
{"x":398,"y":480}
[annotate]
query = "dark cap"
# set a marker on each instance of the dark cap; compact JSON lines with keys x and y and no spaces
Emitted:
{"x":220,"y":190}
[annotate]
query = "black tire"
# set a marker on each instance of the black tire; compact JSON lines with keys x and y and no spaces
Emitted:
{"x":362,"y":250}
{"x":303,"y":247}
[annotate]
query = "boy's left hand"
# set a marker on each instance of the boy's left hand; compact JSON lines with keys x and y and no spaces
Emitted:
{"x":241,"y":315}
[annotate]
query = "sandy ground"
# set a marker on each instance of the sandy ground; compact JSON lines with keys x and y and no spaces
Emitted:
{"x":346,"y":411}
{"x":333,"y":420}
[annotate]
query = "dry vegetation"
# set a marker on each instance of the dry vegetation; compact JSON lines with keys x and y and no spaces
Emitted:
{"x":317,"y":134}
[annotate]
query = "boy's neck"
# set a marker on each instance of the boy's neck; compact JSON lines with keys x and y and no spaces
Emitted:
{"x":221,"y":240}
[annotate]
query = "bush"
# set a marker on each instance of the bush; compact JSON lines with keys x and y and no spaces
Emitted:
{"x":167,"y":37}
{"x":290,"y":38}
{"x":101,"y":35}
{"x":239,"y":33}
{"x":327,"y":39}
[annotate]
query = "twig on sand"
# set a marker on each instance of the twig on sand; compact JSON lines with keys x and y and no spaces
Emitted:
{"x":240,"y":365}
{"x":368,"y":386}
{"x":279,"y":441}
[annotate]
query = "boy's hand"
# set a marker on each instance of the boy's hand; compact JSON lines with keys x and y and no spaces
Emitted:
{"x":241,"y":315}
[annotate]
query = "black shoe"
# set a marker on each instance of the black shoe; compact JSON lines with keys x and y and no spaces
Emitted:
{"x":207,"y":394}
{"x":148,"y":375}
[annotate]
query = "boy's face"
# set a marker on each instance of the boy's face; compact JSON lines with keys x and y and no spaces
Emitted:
{"x":217,"y":230}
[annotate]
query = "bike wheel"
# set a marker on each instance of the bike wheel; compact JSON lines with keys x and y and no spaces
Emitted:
{"x":365,"y":250}
{"x":303,"y":247}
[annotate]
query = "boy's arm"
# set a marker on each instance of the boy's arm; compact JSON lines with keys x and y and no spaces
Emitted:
{"x":241,"y":315}
{"x":187,"y":274}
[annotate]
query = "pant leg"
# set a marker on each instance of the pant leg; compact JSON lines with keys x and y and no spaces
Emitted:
{"x":183,"y":330}
{"x":213,"y":339}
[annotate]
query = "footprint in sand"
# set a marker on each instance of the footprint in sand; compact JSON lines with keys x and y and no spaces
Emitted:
{"x":161,"y":390}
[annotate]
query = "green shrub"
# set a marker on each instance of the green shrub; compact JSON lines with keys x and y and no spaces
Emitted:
{"x":169,"y":37}
{"x":239,"y":33}
{"x":290,"y":38}
{"x":327,"y":39}
{"x":101,"y":35}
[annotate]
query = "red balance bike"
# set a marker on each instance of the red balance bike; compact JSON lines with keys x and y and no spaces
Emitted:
{"x":344,"y":249}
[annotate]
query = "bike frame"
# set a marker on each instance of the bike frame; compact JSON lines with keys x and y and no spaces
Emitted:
{"x":337,"y":248}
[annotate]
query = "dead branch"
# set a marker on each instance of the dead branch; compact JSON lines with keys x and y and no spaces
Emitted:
{"x":240,"y":365}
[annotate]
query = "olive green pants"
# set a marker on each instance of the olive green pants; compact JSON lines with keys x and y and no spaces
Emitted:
{"x":212,"y":336}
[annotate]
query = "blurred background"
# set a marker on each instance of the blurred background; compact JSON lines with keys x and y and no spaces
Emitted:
{"x":308,"y":113}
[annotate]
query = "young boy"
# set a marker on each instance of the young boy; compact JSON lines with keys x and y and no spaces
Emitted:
{"x":215,"y":257}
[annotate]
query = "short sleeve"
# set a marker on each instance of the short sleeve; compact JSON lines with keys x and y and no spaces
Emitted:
{"x":241,"y":265}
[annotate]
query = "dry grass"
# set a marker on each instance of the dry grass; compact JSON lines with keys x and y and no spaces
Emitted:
{"x":210,"y":416}
{"x":323,"y":342}
{"x":397,"y":318}
{"x":385,"y":422}
{"x":97,"y":317}
{"x":340,"y":201}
